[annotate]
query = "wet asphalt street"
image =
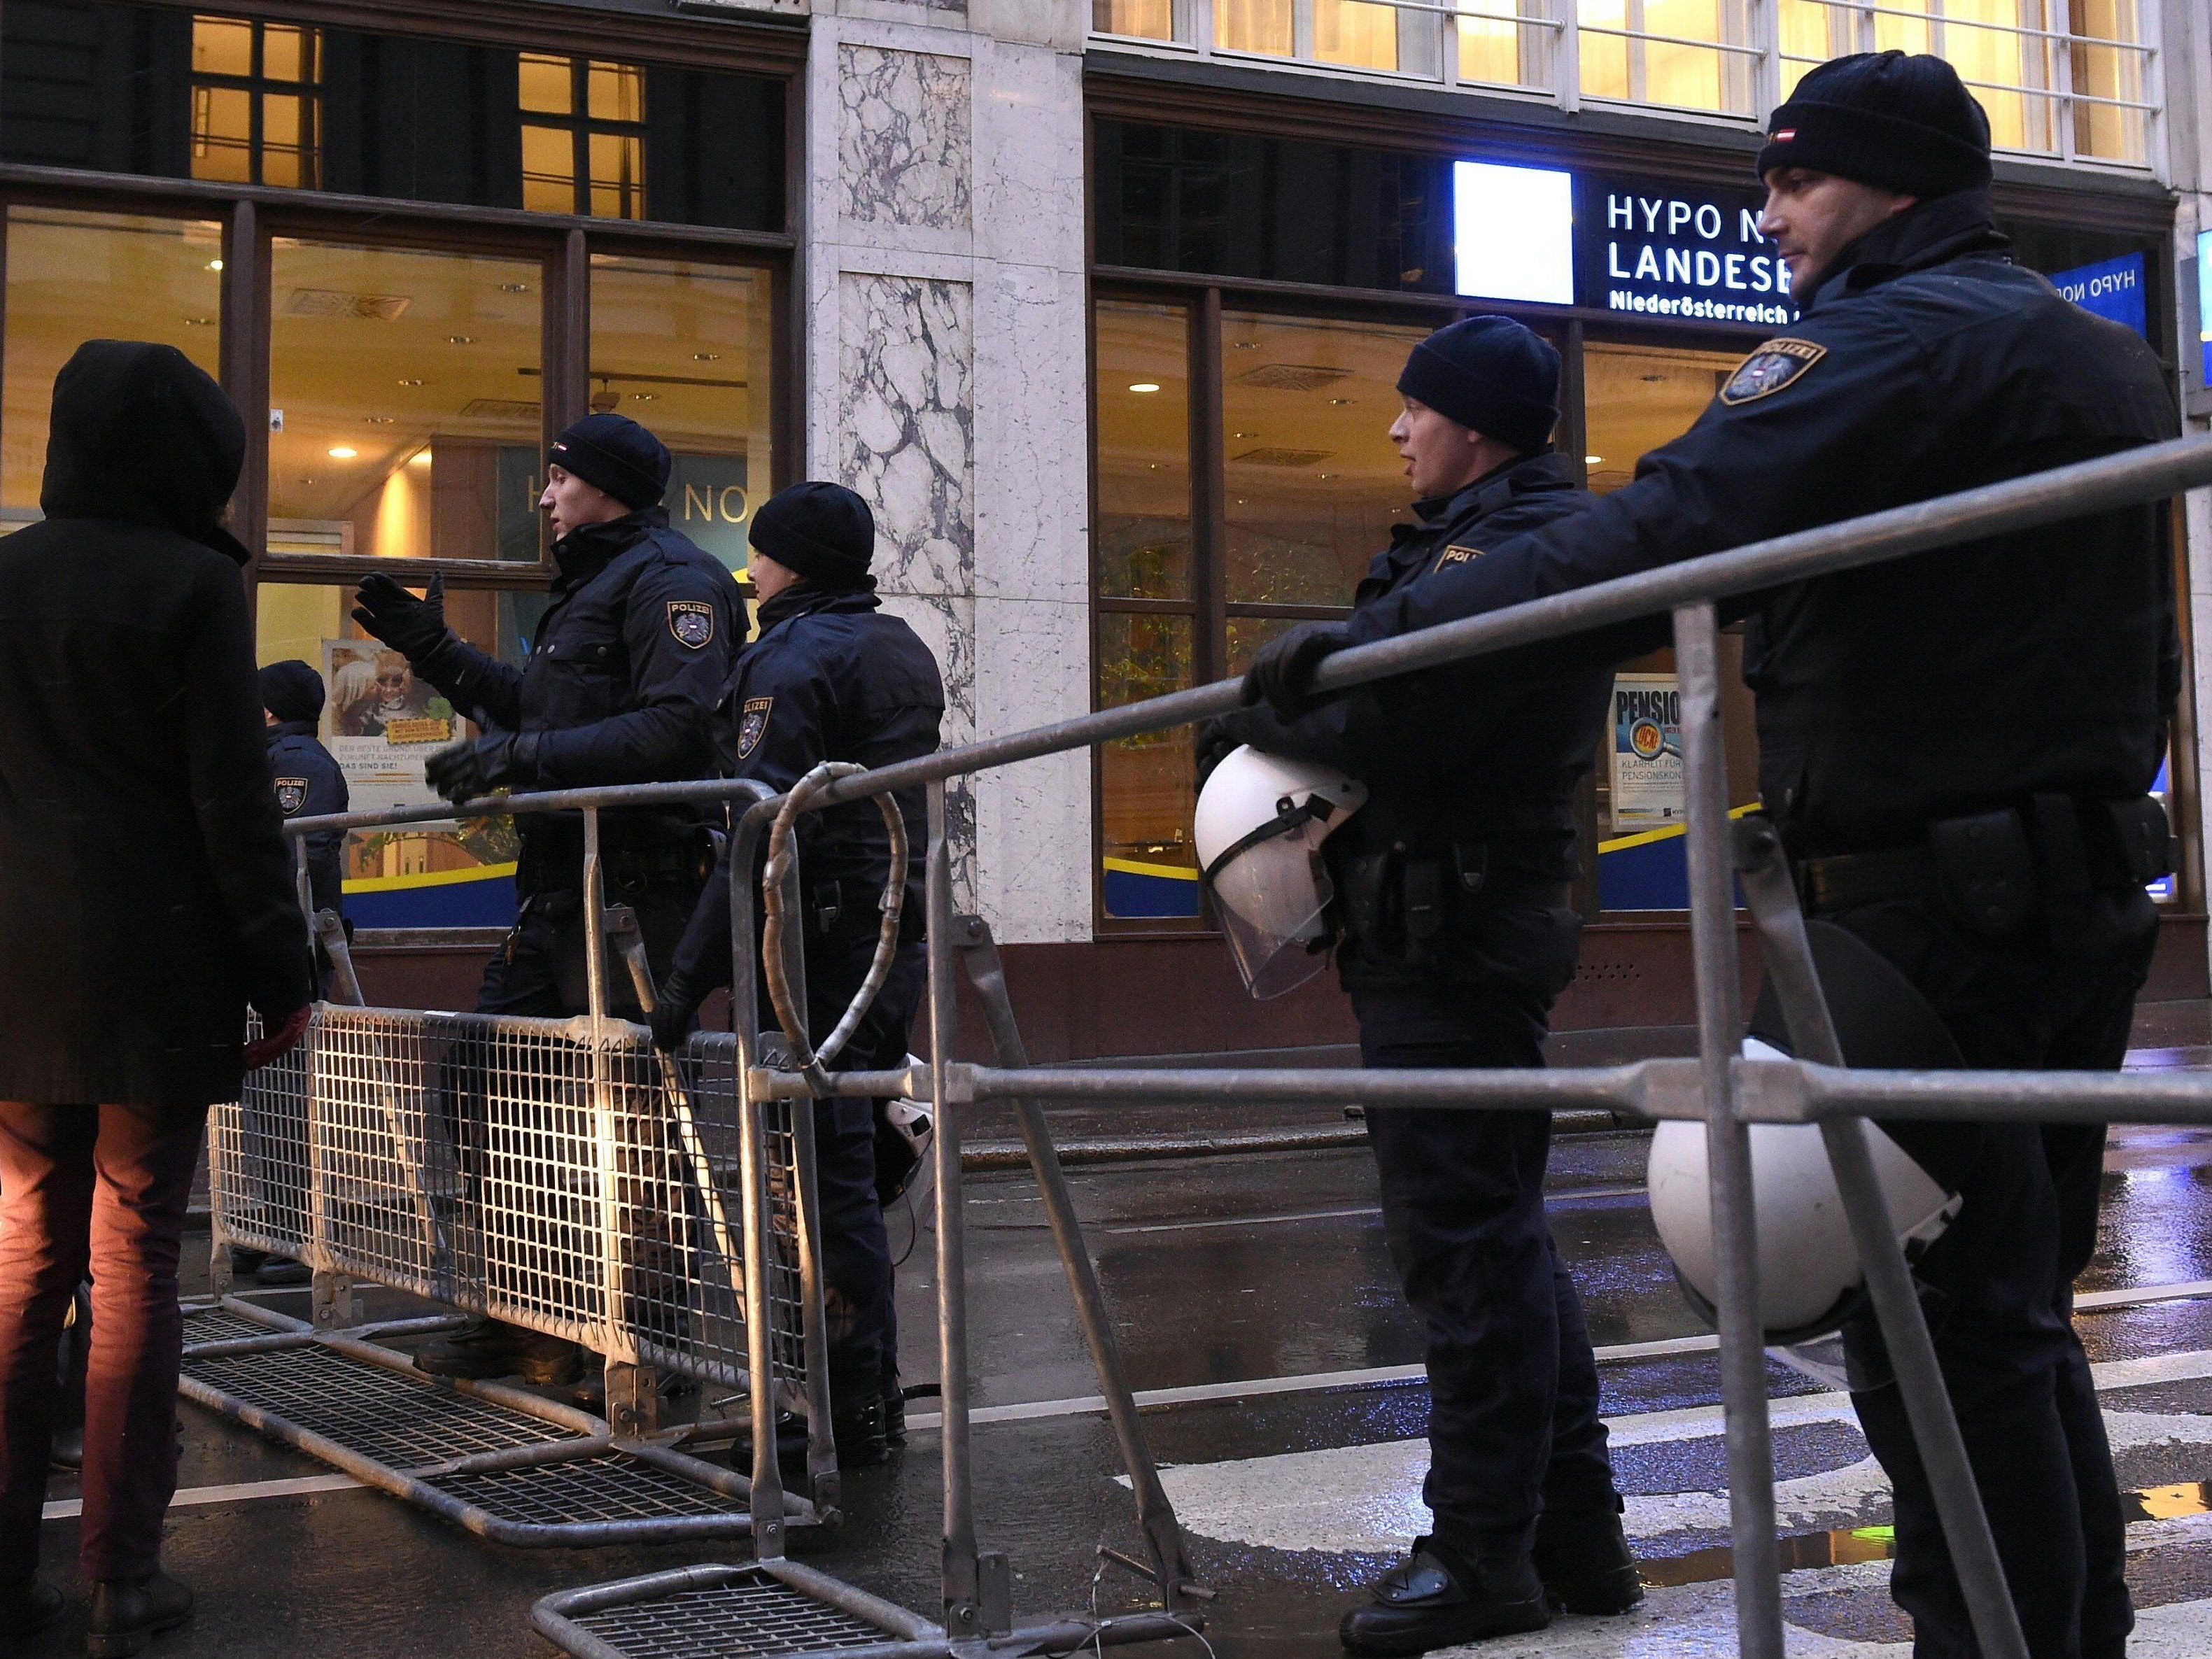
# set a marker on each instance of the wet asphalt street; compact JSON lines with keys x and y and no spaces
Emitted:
{"x":1256,"y":1292}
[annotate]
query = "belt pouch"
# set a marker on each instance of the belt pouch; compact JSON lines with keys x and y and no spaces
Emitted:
{"x":1367,"y":904}
{"x":2142,"y":836}
{"x":1424,"y":906}
{"x":1986,"y":870}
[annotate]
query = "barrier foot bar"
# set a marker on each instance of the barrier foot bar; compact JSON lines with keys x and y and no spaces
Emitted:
{"x":1164,"y":1538}
{"x":1747,"y":1433}
{"x":1765,"y":871}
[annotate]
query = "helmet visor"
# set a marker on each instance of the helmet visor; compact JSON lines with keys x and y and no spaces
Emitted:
{"x":1271,"y":899}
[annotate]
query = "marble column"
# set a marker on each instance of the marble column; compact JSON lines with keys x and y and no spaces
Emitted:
{"x":946,"y":371}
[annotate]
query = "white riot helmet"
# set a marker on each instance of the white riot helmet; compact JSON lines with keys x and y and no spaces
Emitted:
{"x":1260,"y":822}
{"x":1809,"y":1276}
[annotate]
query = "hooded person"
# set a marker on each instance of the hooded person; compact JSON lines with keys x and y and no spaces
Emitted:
{"x":146,"y":903}
{"x":618,"y":687}
{"x":833,"y":677}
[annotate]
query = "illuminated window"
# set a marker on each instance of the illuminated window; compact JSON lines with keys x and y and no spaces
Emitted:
{"x":257,"y":102}
{"x":1687,"y":54}
{"x":1496,"y":45}
{"x":1145,"y":20}
{"x":583,"y":136}
{"x":2058,"y":77}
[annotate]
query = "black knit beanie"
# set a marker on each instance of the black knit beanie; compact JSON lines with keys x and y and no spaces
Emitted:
{"x":1900,"y":122}
{"x":618,"y":455}
{"x":1493,"y":375}
{"x":823,"y":531}
{"x":292,"y":690}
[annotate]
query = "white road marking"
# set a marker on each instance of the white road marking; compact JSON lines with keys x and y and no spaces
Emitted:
{"x":64,"y":1509}
{"x":1317,"y":1381}
{"x":1366,"y":1500}
{"x":1566,"y":1197}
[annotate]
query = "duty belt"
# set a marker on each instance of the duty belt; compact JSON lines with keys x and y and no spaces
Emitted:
{"x":624,"y":866}
{"x":1995,"y":868}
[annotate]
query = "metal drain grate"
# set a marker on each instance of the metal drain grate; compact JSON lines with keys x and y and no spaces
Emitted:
{"x":752,"y":1615}
{"x":222,"y":1325}
{"x":608,"y":1487}
{"x":381,"y":1415}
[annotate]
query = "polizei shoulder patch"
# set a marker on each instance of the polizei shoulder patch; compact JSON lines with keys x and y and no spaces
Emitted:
{"x":291,"y":795}
{"x":692,"y":622}
{"x":1770,"y":368}
{"x":752,"y":725}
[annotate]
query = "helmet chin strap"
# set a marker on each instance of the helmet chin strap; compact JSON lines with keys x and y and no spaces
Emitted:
{"x":1289,"y":818}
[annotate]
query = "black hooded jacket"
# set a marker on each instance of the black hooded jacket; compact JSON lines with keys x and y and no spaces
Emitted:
{"x":146,"y":891}
{"x":1960,"y":680}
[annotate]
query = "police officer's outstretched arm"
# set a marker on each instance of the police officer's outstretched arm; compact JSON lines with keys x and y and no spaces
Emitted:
{"x":1823,"y":423}
{"x":475,"y":682}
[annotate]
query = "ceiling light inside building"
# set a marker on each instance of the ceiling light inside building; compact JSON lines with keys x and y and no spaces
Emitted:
{"x":1592,"y":460}
{"x":215,"y":264}
{"x":1146,"y":385}
{"x":344,"y":452}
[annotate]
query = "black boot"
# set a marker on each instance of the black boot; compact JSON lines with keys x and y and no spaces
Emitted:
{"x":127,"y":1613}
{"x":861,"y":1435}
{"x":485,"y":1348}
{"x":27,"y":1606}
{"x":1583,"y":1557}
{"x":1438,"y":1598}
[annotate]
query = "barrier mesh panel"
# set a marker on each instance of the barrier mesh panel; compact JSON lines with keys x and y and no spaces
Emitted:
{"x":516,"y":1168}
{"x":222,"y":1325}
{"x":608,"y":1487}
{"x":380,"y":1415}
{"x":752,"y":1615}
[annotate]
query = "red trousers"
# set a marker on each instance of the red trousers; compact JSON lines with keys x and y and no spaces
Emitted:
{"x":97,"y":1191}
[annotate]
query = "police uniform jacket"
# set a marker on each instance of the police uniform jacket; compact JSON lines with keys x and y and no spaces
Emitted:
{"x":1958,"y":680}
{"x":309,"y":785}
{"x":618,"y":687}
{"x":146,"y":892}
{"x":1458,"y":756}
{"x":831,"y":677}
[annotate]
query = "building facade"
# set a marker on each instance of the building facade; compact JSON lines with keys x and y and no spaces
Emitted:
{"x":1098,"y":302}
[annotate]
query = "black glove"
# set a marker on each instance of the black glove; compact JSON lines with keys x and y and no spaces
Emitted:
{"x":1282,"y":675}
{"x":412,"y":627}
{"x":468,"y":770}
{"x":675,"y":1011}
{"x":1211,"y":745}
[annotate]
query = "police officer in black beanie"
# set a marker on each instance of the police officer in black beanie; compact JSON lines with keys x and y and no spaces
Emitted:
{"x":832,"y":677}
{"x":309,"y":783}
{"x":617,"y":688}
{"x":1455,"y":935}
{"x":1998,"y":863}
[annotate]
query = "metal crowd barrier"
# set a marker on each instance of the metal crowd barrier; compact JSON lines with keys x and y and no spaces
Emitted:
{"x":1725,"y":1092}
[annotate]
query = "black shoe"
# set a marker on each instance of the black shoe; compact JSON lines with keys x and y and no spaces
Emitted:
{"x":862,"y":1440}
{"x":282,"y":1272}
{"x":245,"y":1263}
{"x":26,"y":1607}
{"x":484,"y":1348}
{"x":1583,"y":1557}
{"x":125,"y":1614}
{"x":1438,"y":1598}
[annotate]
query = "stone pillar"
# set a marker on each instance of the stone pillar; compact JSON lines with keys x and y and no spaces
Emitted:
{"x":946,"y":352}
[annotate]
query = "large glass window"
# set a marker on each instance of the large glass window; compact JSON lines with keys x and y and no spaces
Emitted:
{"x":380,"y":723}
{"x":1314,"y":483}
{"x":583,"y":136}
{"x":686,"y":348}
{"x":1209,"y":542}
{"x":257,"y":102}
{"x":74,"y":276}
{"x":1689,"y":54}
{"x":404,"y":416}
{"x":1148,"y":19}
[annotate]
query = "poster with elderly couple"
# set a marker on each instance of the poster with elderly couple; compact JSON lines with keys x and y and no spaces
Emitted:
{"x":381,"y":724}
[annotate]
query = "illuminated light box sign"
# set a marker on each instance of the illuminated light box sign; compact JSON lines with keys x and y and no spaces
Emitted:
{"x":1513,"y":233}
{"x":1629,"y":246}
{"x":2111,"y":288}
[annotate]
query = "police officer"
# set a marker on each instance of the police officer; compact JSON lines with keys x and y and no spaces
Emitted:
{"x":309,"y":784}
{"x":832,"y":677}
{"x":1456,"y":936}
{"x":618,"y":688}
{"x":1956,"y":747}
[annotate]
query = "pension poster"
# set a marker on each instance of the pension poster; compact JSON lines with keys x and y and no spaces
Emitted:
{"x":1646,"y":770}
{"x":381,"y":724}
